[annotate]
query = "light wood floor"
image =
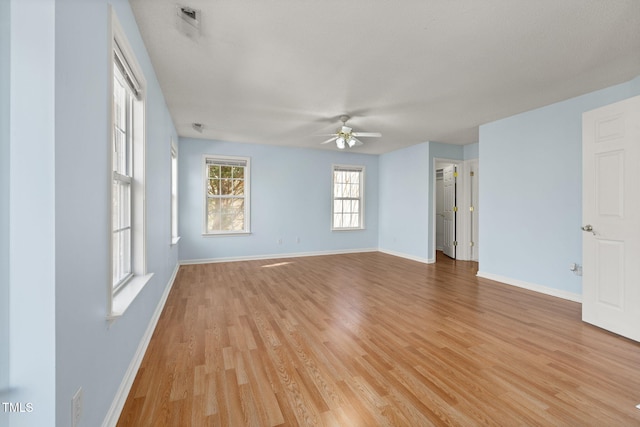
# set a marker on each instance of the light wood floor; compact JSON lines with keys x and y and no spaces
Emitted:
{"x":371,"y":339}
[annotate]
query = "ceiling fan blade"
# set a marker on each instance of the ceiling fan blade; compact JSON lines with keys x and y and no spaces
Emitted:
{"x":333,"y":138}
{"x":358,"y":142}
{"x":367,"y":134}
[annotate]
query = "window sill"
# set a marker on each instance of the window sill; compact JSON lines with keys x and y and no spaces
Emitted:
{"x":125,"y":296}
{"x":235,"y":233}
{"x":175,"y":240}
{"x":348,"y":229}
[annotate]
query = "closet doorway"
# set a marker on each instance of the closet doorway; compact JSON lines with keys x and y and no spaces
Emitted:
{"x":456,"y":208}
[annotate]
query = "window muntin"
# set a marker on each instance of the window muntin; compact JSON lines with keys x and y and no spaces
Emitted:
{"x":227,"y":195}
{"x":348,"y":198}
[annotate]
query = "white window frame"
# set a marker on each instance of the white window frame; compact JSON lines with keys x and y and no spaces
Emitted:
{"x":121,"y":295}
{"x":175,"y":236}
{"x":229,"y":160}
{"x":361,"y":202}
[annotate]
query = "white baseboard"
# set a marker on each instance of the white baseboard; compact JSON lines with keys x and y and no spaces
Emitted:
{"x":406,"y":256}
{"x":125,"y":386}
{"x":532,"y":287}
{"x":274,"y":256}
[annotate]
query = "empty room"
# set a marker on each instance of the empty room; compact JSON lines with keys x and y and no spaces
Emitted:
{"x":353,"y":213}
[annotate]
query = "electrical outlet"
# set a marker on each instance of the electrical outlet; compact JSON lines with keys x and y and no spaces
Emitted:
{"x":76,"y":408}
{"x":280,"y":241}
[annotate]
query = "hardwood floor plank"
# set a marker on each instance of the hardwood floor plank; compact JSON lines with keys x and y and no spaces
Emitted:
{"x":370,"y":339}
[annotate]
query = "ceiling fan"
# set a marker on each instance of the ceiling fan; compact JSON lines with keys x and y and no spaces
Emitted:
{"x":345,"y":137}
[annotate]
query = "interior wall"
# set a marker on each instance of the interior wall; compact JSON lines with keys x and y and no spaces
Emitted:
{"x":5,"y":34}
{"x":290,"y":201}
{"x":470,"y":151}
{"x":404,"y":202}
{"x":91,"y":352}
{"x":32,"y":228}
{"x":531,"y":191}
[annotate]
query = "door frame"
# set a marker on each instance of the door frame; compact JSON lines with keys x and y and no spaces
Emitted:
{"x":463,"y":198}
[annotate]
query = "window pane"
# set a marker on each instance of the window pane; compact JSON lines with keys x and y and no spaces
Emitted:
{"x":337,"y":220}
{"x":354,"y":177}
{"x":213,"y":214}
{"x":214,"y":171}
{"x":213,"y":187}
{"x":226,"y":186}
{"x":226,"y":171}
{"x":353,"y":222}
{"x":238,"y":172}
{"x":238,"y":187}
{"x":214,"y":222}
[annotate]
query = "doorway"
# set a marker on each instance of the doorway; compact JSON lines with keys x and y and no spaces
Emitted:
{"x":456,"y":202}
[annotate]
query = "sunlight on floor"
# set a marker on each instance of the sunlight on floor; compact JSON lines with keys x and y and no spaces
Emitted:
{"x":277,"y":264}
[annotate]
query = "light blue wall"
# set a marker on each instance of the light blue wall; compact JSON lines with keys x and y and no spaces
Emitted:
{"x":90,"y":352}
{"x":290,"y":198}
{"x":31,"y":212}
{"x":531,"y":191}
{"x":59,"y":223}
{"x":471,"y":151}
{"x":5,"y":34}
{"x":404,"y":202}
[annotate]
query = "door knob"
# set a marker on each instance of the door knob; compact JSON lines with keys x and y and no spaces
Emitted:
{"x":588,"y":227}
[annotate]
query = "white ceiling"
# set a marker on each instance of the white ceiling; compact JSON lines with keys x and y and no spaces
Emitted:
{"x":283,"y":71}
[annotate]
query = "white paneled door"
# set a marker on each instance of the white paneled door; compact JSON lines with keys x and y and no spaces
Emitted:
{"x":611,"y":217}
{"x":449,"y":243}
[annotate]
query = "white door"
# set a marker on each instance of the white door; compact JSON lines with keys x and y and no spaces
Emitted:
{"x":611,"y":217}
{"x":439,"y":209}
{"x":449,"y":211}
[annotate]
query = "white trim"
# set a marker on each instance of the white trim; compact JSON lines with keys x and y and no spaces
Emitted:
{"x":125,"y":295}
{"x":531,"y":286}
{"x":275,"y":256}
{"x":407,"y":256}
{"x":120,"y":398}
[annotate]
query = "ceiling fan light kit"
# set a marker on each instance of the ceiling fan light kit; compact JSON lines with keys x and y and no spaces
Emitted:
{"x":345,"y":137}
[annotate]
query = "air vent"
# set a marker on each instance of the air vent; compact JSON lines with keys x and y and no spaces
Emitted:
{"x":188,"y":20}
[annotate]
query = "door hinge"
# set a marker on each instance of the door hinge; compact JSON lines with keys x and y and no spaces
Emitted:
{"x":455,"y":174}
{"x":471,"y":209}
{"x":471,"y":244}
{"x":471,"y":173}
{"x":455,"y":209}
{"x":455,"y":243}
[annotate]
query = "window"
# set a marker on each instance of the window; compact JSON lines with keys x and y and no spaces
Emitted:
{"x":348,"y":198}
{"x":174,"y":194}
{"x":226,"y":195}
{"x":127,"y":140}
{"x":123,"y":96}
